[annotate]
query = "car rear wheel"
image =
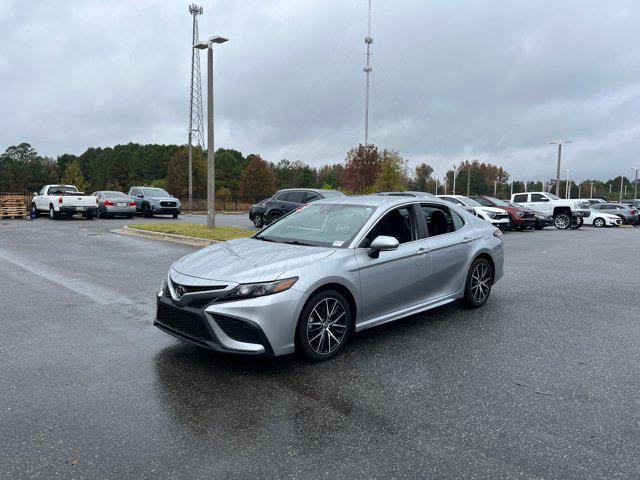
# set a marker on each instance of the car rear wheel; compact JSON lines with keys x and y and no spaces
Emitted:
{"x":175,"y":215}
{"x":34,"y":210}
{"x":258,"y":221}
{"x":324,"y":326}
{"x":53,"y":215}
{"x":273,"y":217}
{"x":478,"y":284}
{"x":562,"y":220}
{"x":598,"y":222}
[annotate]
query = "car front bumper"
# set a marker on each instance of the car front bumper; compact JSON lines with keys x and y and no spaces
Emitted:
{"x":160,"y":210}
{"x":256,"y":326}
{"x":500,"y":222}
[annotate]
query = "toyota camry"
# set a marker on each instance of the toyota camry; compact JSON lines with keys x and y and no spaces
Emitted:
{"x":337,"y":266}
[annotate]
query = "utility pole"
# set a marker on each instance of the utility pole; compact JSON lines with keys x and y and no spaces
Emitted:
{"x":621,"y":183}
{"x":526,"y":185}
{"x":495,"y":187}
{"x":367,"y":70}
{"x":195,"y":99}
{"x":211,"y":194}
{"x":591,"y":191}
{"x":468,"y":178}
{"x":559,"y":143}
{"x":436,"y":186}
{"x":445,"y":184}
{"x":511,"y":194}
{"x":635,"y":183}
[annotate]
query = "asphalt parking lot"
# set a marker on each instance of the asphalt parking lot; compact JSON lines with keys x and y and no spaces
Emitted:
{"x":542,"y":382}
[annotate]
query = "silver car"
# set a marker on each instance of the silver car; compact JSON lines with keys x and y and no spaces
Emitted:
{"x":627,"y":213}
{"x":111,"y":203}
{"x":326,"y":270}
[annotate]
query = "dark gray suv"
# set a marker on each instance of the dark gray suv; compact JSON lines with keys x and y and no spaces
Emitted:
{"x":154,"y":201}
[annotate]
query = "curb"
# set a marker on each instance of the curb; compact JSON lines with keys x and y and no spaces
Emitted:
{"x":165,"y":237}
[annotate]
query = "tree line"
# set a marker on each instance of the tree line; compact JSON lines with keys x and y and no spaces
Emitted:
{"x":366,"y":169}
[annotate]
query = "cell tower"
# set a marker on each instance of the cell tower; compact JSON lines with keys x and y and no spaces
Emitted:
{"x":367,"y":70}
{"x":195,"y":101}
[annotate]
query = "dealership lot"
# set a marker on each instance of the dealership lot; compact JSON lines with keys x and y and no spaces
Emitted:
{"x":540,"y":383}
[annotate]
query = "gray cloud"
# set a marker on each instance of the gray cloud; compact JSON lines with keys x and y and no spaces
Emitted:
{"x":452,"y":80}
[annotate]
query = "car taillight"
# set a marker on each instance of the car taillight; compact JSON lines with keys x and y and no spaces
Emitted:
{"x":497,"y":233}
{"x":132,"y":203}
{"x":108,"y":203}
{"x":632,"y":212}
{"x":96,"y":200}
{"x":59,"y":200}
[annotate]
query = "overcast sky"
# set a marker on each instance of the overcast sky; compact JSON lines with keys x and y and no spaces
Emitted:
{"x":451,"y":80}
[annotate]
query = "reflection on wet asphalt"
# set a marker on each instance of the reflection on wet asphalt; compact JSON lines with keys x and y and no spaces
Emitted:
{"x":540,"y":383}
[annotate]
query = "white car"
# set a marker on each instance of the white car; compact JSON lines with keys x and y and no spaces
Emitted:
{"x":600,"y":219}
{"x":65,"y":200}
{"x":497,"y":216}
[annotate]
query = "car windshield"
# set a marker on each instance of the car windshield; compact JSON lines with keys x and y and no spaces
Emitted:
{"x":321,"y":225}
{"x":498,"y":202}
{"x":552,"y":196}
{"x":155,"y":192}
{"x":469,"y":202}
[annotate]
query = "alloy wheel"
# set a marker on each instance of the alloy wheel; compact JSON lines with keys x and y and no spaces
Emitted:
{"x":598,"y":222}
{"x":327,"y":326}
{"x":480,"y":282}
{"x":562,"y":221}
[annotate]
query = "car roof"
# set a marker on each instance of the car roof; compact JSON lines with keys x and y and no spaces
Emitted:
{"x":377,"y":200}
{"x":407,"y":193}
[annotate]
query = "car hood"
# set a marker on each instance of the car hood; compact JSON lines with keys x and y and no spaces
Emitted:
{"x":247,"y":260}
{"x":162,"y":199}
{"x":490,"y":209}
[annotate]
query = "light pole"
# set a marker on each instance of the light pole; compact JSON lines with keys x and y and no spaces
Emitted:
{"x":454,"y":180}
{"x":591,"y":194}
{"x":191,"y":130}
{"x":468,"y":178}
{"x":495,"y":187}
{"x":559,"y":143}
{"x":621,"y":183}
{"x":635,"y":183}
{"x":511,"y":194}
{"x":211,"y":183}
{"x":436,"y":186}
{"x":566,"y":187}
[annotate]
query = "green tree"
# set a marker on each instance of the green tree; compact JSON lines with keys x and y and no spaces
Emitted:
{"x":422,"y":175}
{"x":229,"y":165}
{"x":177,"y":179}
{"x":257,"y":179}
{"x":393,"y":169}
{"x":73,"y":176}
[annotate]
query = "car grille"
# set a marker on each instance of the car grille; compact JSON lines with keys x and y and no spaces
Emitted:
{"x":528,"y":215}
{"x":168,"y":204}
{"x":184,"y":322}
{"x":238,"y":330}
{"x":192,"y":289}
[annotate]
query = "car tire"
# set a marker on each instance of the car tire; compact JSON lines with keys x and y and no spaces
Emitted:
{"x":622,"y":219}
{"x":34,"y":210}
{"x":599,"y":222}
{"x":88,"y":216}
{"x":175,"y":215}
{"x":478,"y":284}
{"x":538,"y":227}
{"x":130,"y":216}
{"x":324,"y":326}
{"x":258,"y":221}
{"x":577,"y":223}
{"x":562,"y":220}
{"x":146,"y":210}
{"x":53,"y":215}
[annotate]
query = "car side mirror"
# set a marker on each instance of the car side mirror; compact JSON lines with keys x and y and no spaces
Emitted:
{"x":382,"y":243}
{"x":35,"y":194}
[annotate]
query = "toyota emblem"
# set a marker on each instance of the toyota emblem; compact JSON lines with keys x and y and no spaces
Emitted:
{"x":180,"y":291}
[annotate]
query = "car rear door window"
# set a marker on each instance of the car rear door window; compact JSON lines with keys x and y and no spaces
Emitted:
{"x":312,"y":197}
{"x":440,"y":219}
{"x":399,"y":223}
{"x":536,"y":197}
{"x":283,"y":197}
{"x":521,"y":197}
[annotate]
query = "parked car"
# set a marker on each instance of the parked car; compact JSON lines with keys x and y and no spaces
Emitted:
{"x":414,"y":193}
{"x":111,"y":203}
{"x":329,"y":269}
{"x":520,"y":217}
{"x":634,"y":202}
{"x":566,"y":213}
{"x":284,"y":201}
{"x":155,"y":201}
{"x":594,"y":201}
{"x":63,"y":200}
{"x":600,"y":219}
{"x":627,"y":213}
{"x":496,"y":216}
{"x":256,"y":213}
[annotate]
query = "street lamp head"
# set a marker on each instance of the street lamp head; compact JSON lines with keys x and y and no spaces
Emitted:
{"x":560,"y":142}
{"x":216,"y":39}
{"x":201,"y":45}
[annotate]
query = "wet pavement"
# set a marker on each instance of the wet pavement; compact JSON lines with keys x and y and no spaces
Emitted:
{"x":542,"y":382}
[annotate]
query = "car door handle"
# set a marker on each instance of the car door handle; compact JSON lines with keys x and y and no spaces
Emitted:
{"x":467,"y":240}
{"x":422,"y":251}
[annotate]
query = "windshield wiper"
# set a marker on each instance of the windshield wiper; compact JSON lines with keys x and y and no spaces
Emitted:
{"x":296,"y":242}
{"x":264,"y":239}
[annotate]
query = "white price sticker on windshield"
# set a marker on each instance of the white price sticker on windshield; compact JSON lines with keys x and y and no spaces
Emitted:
{"x":337,"y":243}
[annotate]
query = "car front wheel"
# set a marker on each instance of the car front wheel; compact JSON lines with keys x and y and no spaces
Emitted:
{"x":562,"y":221}
{"x":598,"y":222}
{"x":258,"y":221}
{"x":577,"y":223}
{"x":324,"y":326}
{"x":478,"y":284}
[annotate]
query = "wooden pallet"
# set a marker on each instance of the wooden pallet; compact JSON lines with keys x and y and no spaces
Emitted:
{"x":13,"y":206}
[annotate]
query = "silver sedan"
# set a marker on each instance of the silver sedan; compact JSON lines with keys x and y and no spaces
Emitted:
{"x":112,"y":203}
{"x":327,"y":270}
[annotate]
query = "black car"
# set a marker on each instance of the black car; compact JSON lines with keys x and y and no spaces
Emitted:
{"x":283,"y":201}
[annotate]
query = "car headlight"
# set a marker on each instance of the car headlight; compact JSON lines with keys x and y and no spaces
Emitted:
{"x":252,"y":290}
{"x":490,"y":214}
{"x":520,"y":213}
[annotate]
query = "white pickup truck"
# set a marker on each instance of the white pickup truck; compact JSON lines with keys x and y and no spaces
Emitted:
{"x":65,"y":200}
{"x":565,"y":212}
